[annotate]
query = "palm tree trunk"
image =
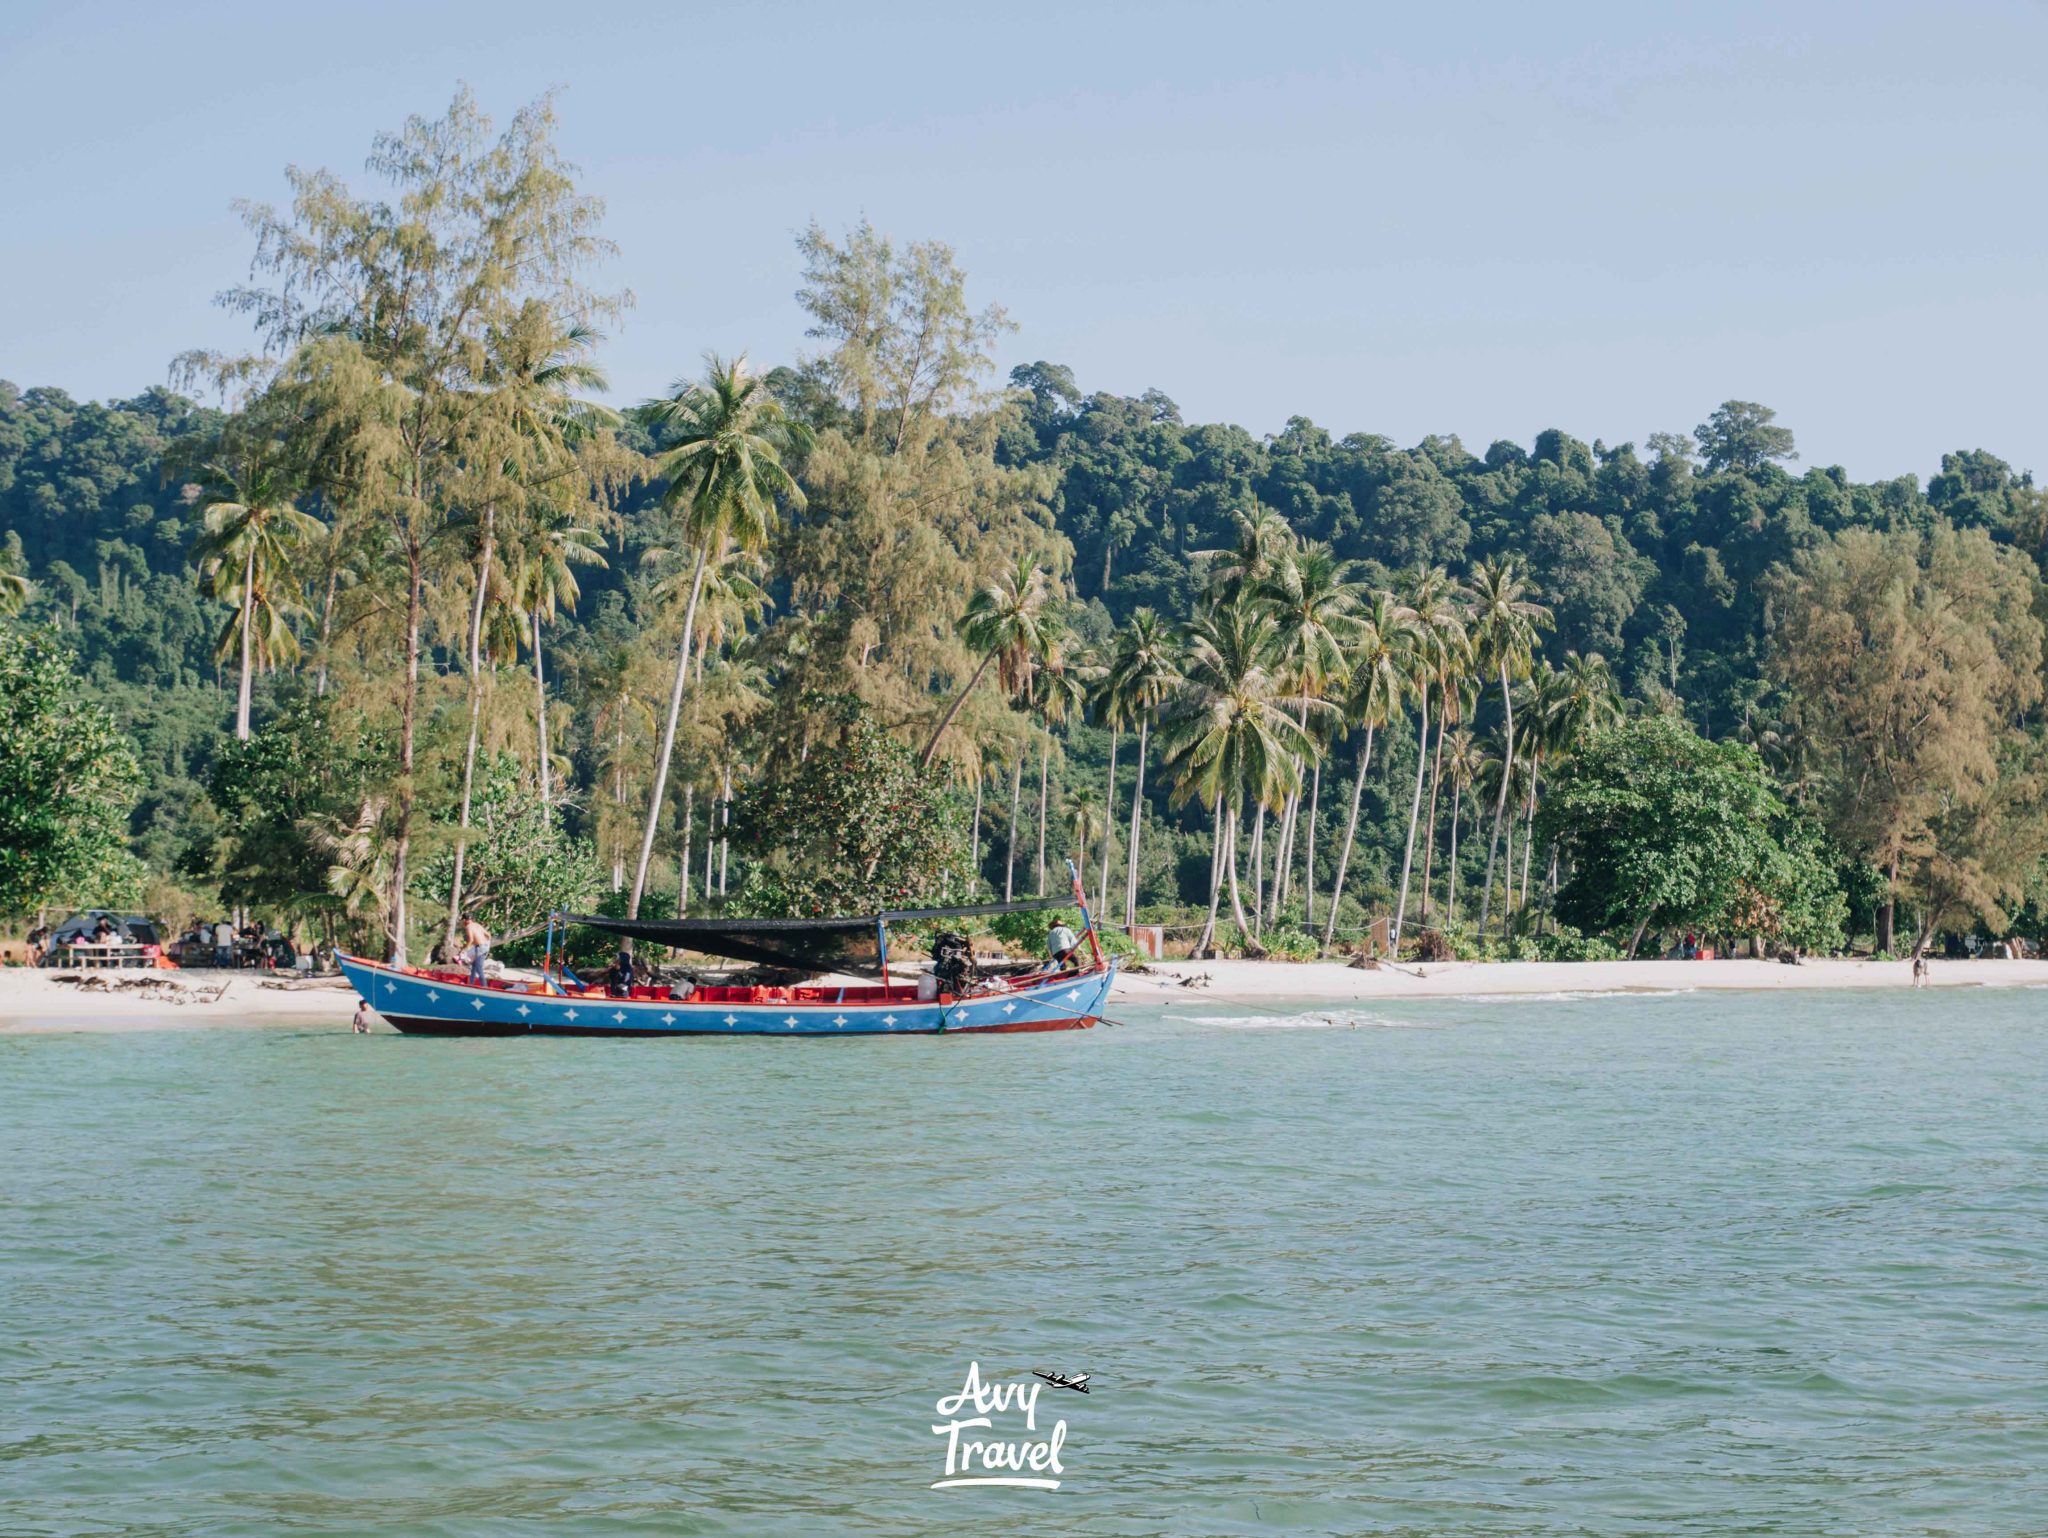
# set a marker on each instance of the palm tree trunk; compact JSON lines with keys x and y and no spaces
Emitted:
{"x":1414,"y":816}
{"x":540,"y":689}
{"x":1528,"y":832}
{"x":724,"y":826}
{"x":326,"y":632}
{"x":401,"y":853}
{"x":1350,"y":833}
{"x":1207,"y":941}
{"x":1010,"y":845}
{"x":1308,"y":836}
{"x":1281,"y":824}
{"x":683,"y":864}
{"x":1290,"y":826}
{"x":1108,"y":841}
{"x":1507,"y":875}
{"x":483,"y":582}
{"x":974,"y":858}
{"x":668,"y":737}
{"x":619,"y":792}
{"x":1137,"y":812}
{"x":1044,"y":763}
{"x":952,"y":710}
{"x":476,"y":700}
{"x":1500,"y":802}
{"x":248,"y":631}
{"x":1451,"y":868}
{"x":1436,"y":774}
{"x":1244,"y":928}
{"x":1272,"y":889}
{"x":1258,"y":854}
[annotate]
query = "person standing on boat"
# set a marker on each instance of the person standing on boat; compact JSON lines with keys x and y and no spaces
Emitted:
{"x":478,"y":950}
{"x":1061,"y":943}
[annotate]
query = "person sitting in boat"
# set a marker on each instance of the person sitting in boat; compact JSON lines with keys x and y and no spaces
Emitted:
{"x":1061,"y":943}
{"x":618,"y":978}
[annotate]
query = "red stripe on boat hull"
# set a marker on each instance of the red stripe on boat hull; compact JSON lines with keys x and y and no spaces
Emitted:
{"x":1010,"y":1026}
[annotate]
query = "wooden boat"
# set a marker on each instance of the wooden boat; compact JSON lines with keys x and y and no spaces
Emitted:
{"x":445,"y":1003}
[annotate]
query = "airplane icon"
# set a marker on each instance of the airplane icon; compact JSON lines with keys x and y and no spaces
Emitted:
{"x":1078,"y":1382}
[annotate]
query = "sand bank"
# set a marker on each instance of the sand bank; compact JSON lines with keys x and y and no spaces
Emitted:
{"x":1268,"y":982}
{"x":32,"y":1001}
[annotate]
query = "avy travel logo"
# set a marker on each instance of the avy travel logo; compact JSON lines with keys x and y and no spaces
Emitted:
{"x":982,"y":1426}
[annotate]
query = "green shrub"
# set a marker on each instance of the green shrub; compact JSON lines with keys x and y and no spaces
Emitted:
{"x":1290,"y":945}
{"x":1569,"y":945}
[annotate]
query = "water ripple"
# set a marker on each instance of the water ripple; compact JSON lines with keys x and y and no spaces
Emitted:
{"x":1683,"y":1265}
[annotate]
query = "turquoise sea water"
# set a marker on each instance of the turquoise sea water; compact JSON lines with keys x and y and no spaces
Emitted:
{"x":1696,"y":1264}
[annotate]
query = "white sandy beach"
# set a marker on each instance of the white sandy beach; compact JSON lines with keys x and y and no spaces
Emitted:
{"x":1268,"y":982}
{"x":37,"y":1002}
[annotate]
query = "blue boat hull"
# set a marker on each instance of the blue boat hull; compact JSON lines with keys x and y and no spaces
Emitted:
{"x":425,"y":1006}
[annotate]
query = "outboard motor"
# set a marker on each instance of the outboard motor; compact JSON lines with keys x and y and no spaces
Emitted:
{"x":953,"y":963}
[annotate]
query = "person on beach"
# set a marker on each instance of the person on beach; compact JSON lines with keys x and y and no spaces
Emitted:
{"x":38,"y":944}
{"x":478,"y":948}
{"x":1919,"y":971}
{"x":361,"y":1024}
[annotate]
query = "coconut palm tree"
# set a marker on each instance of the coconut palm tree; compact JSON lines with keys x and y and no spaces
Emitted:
{"x":1378,"y":680}
{"x":1438,"y":624}
{"x":250,"y":534}
{"x":1262,"y":538}
{"x":1021,"y":669}
{"x":544,"y":584}
{"x":1540,"y":738}
{"x":1090,"y":820}
{"x":622,"y":708}
{"x":1505,"y":621}
{"x":1230,"y":737}
{"x":1585,"y":698}
{"x":724,"y":471}
{"x":528,"y":431}
{"x":1006,"y":621}
{"x":1494,"y":767}
{"x":1313,"y":603}
{"x":1461,"y":768}
{"x":1060,"y":694}
{"x":1454,"y":669}
{"x":735,"y":600}
{"x":1143,"y":669}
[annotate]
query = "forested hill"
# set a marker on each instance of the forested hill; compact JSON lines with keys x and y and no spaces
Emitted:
{"x":1650,"y":556}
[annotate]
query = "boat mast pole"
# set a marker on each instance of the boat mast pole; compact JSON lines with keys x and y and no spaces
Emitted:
{"x":548,"y":960}
{"x":1087,"y":920}
{"x":882,"y":951}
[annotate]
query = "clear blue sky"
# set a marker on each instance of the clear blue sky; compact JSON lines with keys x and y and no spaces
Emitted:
{"x":1481,"y":219}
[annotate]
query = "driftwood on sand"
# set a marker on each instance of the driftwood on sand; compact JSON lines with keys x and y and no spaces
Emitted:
{"x":161,"y":989}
